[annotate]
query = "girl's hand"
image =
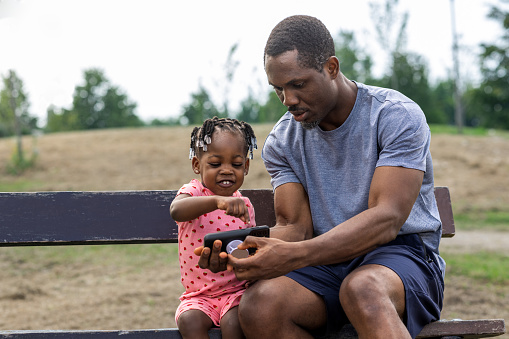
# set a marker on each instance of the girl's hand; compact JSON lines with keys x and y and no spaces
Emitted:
{"x":235,"y":207}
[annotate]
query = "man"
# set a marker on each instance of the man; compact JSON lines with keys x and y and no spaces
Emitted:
{"x":357,"y":232}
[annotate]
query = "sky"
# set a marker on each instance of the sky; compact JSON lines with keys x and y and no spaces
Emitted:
{"x":159,"y":52}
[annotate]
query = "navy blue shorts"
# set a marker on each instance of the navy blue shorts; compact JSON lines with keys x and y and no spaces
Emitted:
{"x":408,"y":257}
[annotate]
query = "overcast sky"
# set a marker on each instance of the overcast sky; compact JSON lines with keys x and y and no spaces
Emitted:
{"x":159,"y":51}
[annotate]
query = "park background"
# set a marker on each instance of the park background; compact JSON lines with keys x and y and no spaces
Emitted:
{"x":100,"y":139}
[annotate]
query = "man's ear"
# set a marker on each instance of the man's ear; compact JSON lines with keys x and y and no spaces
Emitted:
{"x":195,"y":163}
{"x":332,"y":67}
{"x":246,"y":167}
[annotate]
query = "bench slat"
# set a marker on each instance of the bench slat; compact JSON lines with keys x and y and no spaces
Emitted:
{"x":171,"y":333}
{"x":77,"y":218}
{"x":91,"y":218}
{"x":468,"y":329}
{"x":443,"y":198}
{"x":464,"y":328}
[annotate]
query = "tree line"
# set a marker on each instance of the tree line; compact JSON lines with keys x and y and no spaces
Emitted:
{"x":97,"y":103}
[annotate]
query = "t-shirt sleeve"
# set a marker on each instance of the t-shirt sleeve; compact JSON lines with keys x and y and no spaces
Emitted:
{"x":273,"y":155}
{"x":193,"y":189}
{"x":404,"y":137}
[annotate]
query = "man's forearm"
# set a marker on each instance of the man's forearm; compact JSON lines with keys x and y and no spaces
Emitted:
{"x":287,"y":233}
{"x":356,"y":236}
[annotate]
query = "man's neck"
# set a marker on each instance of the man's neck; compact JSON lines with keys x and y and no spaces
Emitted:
{"x":347,"y":94}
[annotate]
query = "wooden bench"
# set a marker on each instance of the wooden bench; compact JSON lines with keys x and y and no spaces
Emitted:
{"x":139,"y":217}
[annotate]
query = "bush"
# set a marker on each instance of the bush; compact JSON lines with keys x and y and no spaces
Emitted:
{"x":19,"y":164}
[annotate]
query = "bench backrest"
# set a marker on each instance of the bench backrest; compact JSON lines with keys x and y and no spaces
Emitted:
{"x":90,"y":218}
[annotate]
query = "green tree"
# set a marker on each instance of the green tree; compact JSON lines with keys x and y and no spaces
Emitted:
{"x":443,"y":101}
{"x":96,"y":104}
{"x":15,"y":118}
{"x":61,"y":119}
{"x":200,"y":108}
{"x":488,"y":105}
{"x":355,"y":63}
{"x":249,"y":109}
{"x":476,"y":107}
{"x":411,"y":72}
{"x":171,"y":121}
{"x":272,"y":110}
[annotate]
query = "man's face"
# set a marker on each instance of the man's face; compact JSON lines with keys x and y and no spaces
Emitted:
{"x":307,"y":93}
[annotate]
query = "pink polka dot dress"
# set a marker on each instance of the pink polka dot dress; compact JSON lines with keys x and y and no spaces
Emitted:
{"x":198,"y":281}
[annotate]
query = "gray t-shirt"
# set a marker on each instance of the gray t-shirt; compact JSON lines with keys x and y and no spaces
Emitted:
{"x":385,"y":128}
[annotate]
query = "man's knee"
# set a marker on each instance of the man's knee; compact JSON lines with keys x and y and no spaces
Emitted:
{"x":371,"y":286}
{"x":358,"y":285}
{"x":260,"y":308}
{"x":264,"y":295}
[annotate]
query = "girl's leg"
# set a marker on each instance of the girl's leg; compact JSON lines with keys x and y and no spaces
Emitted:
{"x":230,"y":326}
{"x":194,"y":324}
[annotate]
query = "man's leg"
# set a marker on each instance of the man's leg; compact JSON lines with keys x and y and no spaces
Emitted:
{"x":280,"y":308}
{"x":373,"y":298}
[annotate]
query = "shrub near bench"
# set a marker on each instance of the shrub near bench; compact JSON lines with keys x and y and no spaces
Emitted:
{"x":140,"y":217}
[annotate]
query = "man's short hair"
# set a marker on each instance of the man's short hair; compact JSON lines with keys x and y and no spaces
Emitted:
{"x":307,"y":35}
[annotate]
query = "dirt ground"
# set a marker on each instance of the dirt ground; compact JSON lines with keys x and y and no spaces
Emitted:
{"x":39,"y":291}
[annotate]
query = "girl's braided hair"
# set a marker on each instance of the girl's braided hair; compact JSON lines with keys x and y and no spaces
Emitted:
{"x":202,"y":136}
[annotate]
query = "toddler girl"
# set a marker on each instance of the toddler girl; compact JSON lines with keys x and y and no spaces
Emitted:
{"x":219,"y":150}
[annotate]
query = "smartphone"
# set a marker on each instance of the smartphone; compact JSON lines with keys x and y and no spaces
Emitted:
{"x":230,"y":237}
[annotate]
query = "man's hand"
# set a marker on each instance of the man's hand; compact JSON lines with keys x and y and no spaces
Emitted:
{"x":213,"y":260}
{"x":273,"y":258}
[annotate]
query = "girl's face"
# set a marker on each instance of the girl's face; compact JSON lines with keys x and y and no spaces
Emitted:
{"x":223,"y":166}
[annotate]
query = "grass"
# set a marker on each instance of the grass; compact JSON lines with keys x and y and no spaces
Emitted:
{"x":131,"y":257}
{"x":475,"y":131}
{"x":475,"y":220}
{"x":18,"y":185}
{"x":485,"y":267}
{"x":482,"y":266}
{"x":450,"y":129}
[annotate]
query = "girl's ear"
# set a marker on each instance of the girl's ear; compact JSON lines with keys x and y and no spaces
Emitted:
{"x":196,"y":165}
{"x":246,"y":167}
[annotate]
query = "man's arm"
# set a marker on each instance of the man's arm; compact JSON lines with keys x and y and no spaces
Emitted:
{"x":392,"y":195}
{"x":293,"y":215}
